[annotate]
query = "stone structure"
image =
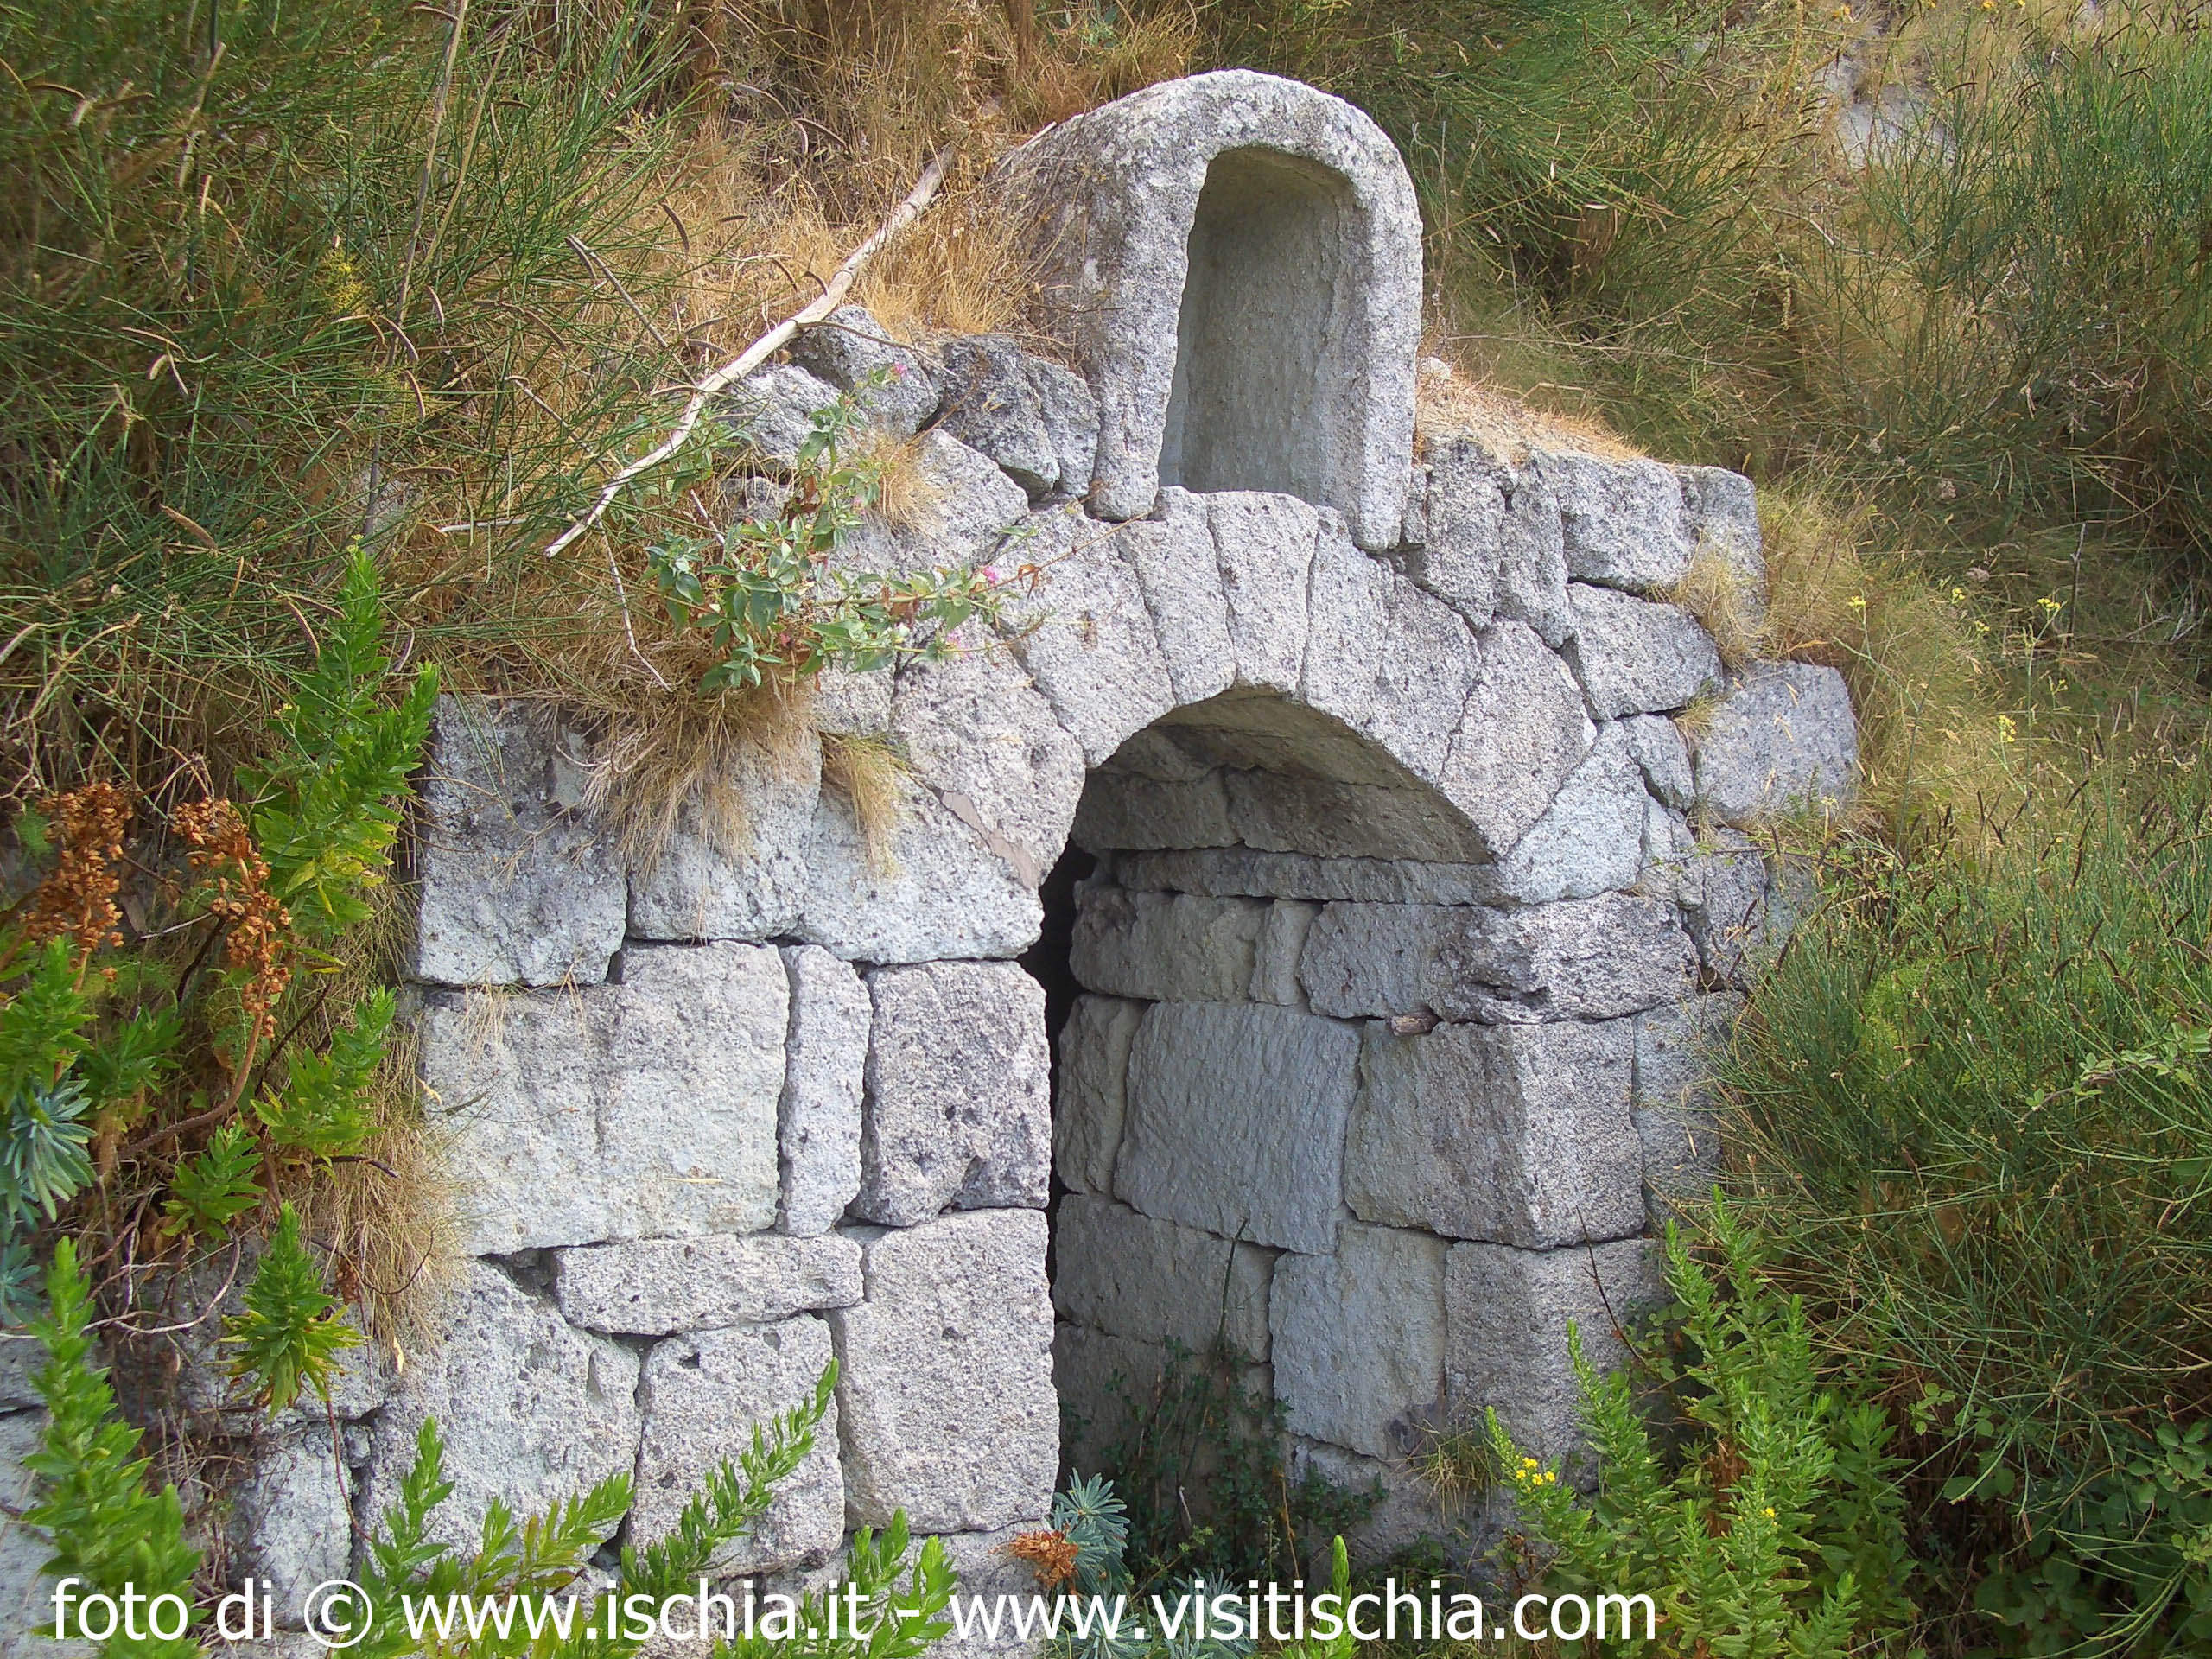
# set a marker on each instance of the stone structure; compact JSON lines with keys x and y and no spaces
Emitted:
{"x":1408,"y":903}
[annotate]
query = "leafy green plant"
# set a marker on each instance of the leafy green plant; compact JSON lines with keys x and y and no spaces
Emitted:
{"x":292,"y":1330}
{"x":107,"y":1528}
{"x":764,"y":596}
{"x":1761,"y":1511}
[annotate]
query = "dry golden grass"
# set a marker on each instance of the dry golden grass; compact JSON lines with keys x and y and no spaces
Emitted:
{"x":1935,"y":742}
{"x":1460,"y":404}
{"x":873,"y":777}
{"x":1711,"y":591}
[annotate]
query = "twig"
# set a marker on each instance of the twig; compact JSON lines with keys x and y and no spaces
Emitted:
{"x":429,"y":162}
{"x":594,"y":264}
{"x":622,"y":597}
{"x":758,"y":351}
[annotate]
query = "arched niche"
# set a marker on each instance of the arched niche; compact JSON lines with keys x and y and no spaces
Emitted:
{"x":1267,"y":392}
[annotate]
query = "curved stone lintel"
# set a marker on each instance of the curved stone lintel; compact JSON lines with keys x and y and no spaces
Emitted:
{"x":1235,"y":260}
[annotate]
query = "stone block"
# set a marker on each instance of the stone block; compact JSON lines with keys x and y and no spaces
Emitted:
{"x":1166,"y":947}
{"x":1720,"y":515}
{"x":985,"y":740}
{"x":980,"y":1563}
{"x":1507,"y":1313}
{"x":654,"y":1287}
{"x":1035,"y":418}
{"x":532,"y":1411}
{"x":1656,"y":747}
{"x":944,"y":1386}
{"x":1493,"y":546}
{"x":1577,"y":959}
{"x":1675,"y":1121}
{"x":1263,"y":548}
{"x":1104,"y":1381}
{"x":1359,"y":1337}
{"x":1085,"y":635}
{"x":1157,"y":1281}
{"x":1725,"y":906}
{"x":852,"y":703}
{"x":516,"y":882}
{"x":1172,"y":555}
{"x":699,"y":1397}
{"x":1591,"y":838}
{"x":738,"y":872}
{"x":1519,"y":1135}
{"x":963,"y":507}
{"x":1275,"y":954}
{"x":639,"y":1109}
{"x":26,"y":1595}
{"x":290,"y":1521}
{"x":1522,"y":732}
{"x":959,"y":1103}
{"x":941,"y":884}
{"x":1638,"y":656}
{"x":23,"y":1356}
{"x":1292,"y":812}
{"x":849,"y":346}
{"x":1671,"y":860}
{"x":772,"y":410}
{"x":1125,"y":810}
{"x":1242,"y":871}
{"x":1621,"y":521}
{"x":1391,"y":662}
{"x":1093,"y":1090}
{"x":1237,"y":1119}
{"x":1412,"y":1513}
{"x":1782,"y":740}
{"x":825,"y":1065}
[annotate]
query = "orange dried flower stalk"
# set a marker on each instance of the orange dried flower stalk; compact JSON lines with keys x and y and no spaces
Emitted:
{"x":259,"y":927}
{"x":1051,"y":1554}
{"x":79,"y":897}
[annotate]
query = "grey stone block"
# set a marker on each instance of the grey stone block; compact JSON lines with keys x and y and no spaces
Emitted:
{"x":959,"y":1106}
{"x":1656,"y":747}
{"x":1720,"y":515}
{"x":825,"y":1065}
{"x":1166,"y":947}
{"x":1782,"y":741}
{"x":654,"y":1287}
{"x":1638,"y":656}
{"x":1292,"y":812}
{"x":1519,"y":1135}
{"x":772,"y":410}
{"x":1237,"y":1119}
{"x":1494,"y":545}
{"x":517,"y":883}
{"x":532,"y":1411}
{"x":848,"y":347}
{"x":632,"y":1110}
{"x":1412,"y":1512}
{"x":1577,"y":959}
{"x":1132,"y":1275}
{"x":1035,"y":418}
{"x":1591,"y":838}
{"x":963,"y":507}
{"x":1674,"y":1116}
{"x":1725,"y":906}
{"x":290,"y":1521}
{"x":1507,"y":1313}
{"x":1621,"y":520}
{"x":944,"y":1386}
{"x":1275,"y":955}
{"x":1173,"y":555}
{"x":1359,"y":1337}
{"x":1082,"y":633}
{"x":1242,"y":871}
{"x":1093,"y":1090}
{"x":699,"y":1397}
{"x":1263,"y":548}
{"x":1523,"y":731}
{"x":26,"y":1595}
{"x":944,"y":886}
{"x":747,"y":882}
{"x":1124,"y":810}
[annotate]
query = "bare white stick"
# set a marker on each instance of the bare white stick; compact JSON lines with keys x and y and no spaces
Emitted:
{"x":833,"y":295}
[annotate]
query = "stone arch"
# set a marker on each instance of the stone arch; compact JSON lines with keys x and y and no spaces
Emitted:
{"x":1234,"y":260}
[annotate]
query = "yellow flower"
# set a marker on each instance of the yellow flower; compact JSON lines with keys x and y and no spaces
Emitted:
{"x":1769,"y":1511}
{"x":1858,"y":602}
{"x":2006,"y":729}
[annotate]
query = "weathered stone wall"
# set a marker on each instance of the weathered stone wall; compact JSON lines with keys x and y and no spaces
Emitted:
{"x":1393,"y":970}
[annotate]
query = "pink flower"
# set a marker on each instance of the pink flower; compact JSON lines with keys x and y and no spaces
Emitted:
{"x":898,"y":370}
{"x":991,"y":575}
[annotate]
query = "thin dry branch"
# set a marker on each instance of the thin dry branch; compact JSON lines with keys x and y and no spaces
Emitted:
{"x":833,"y":295}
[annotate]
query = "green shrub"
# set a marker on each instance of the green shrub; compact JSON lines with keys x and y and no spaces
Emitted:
{"x":1760,"y":1510}
{"x":1971,"y":1106}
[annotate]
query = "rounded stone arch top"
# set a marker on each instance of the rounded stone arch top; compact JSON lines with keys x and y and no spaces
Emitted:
{"x":1235,"y":260}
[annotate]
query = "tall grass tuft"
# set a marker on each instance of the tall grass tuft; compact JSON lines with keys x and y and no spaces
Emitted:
{"x":1972,"y":1107}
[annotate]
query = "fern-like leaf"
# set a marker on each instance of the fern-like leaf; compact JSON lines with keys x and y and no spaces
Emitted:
{"x":292,"y":1330}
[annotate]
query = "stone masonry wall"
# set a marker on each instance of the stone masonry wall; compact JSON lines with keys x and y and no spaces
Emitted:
{"x":1413,"y":904}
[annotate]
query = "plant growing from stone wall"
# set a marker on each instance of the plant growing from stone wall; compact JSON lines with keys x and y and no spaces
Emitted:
{"x":1757,"y":1507}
